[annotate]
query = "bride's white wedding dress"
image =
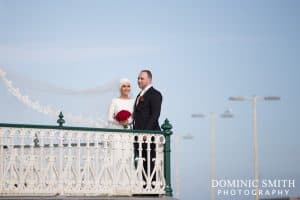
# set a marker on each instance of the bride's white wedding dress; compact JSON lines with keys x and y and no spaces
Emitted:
{"x":122,"y":148}
{"x":116,"y":106}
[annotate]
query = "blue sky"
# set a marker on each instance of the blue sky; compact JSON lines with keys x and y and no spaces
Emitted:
{"x":200,"y":53}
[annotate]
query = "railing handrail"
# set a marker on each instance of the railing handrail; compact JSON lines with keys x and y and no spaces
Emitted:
{"x":77,"y":128}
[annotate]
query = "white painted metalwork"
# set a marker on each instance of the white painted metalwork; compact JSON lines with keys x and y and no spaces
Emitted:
{"x":73,"y":162}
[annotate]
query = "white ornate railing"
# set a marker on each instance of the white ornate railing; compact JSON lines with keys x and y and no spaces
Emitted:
{"x":78,"y":161}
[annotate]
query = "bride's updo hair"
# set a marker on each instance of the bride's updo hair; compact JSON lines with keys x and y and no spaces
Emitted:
{"x":124,"y":81}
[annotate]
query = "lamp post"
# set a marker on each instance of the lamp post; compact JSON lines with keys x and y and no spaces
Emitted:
{"x":212,"y":116}
{"x":178,"y":139}
{"x":254,"y":100}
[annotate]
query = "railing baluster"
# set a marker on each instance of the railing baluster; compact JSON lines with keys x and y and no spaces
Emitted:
{"x":148,"y":149}
{"x":52,"y":173}
{"x":96,"y":159}
{"x":42,"y":160}
{"x":11,"y":168}
{"x":131,"y":161}
{"x":22,"y":135}
{"x":156,"y":160}
{"x":140,"y":165}
{"x":114,"y":142}
{"x":30,"y":170}
{"x":68,"y":178}
{"x":88,"y":161}
{"x":78,"y":162}
{"x":61,"y":161}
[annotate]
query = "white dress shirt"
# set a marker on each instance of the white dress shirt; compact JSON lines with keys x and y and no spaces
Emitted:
{"x":142,"y":93}
{"x":145,"y":90}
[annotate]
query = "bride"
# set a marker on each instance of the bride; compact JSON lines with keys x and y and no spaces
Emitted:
{"x":124,"y":104}
{"x":122,"y":144}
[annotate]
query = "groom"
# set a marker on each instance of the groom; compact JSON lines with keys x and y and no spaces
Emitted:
{"x":147,"y":104}
{"x":145,"y":117}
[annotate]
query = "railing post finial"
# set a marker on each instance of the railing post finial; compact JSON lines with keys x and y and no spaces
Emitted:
{"x":167,"y":131}
{"x":61,"y":120}
{"x":167,"y":127}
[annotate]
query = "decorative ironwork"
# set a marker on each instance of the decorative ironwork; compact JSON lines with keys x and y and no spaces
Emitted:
{"x":41,"y":160}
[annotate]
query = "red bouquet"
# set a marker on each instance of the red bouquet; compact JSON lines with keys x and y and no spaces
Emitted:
{"x":122,"y":116}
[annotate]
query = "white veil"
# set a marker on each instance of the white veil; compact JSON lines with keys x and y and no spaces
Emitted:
{"x":87,"y":107}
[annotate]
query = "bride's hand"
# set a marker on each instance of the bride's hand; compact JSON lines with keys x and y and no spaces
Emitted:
{"x":124,"y":122}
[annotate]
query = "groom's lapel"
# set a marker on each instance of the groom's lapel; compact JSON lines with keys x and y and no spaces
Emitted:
{"x":135,"y":102}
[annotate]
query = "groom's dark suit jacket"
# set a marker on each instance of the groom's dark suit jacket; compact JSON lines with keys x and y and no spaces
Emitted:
{"x":147,"y":111}
{"x":145,"y":117}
